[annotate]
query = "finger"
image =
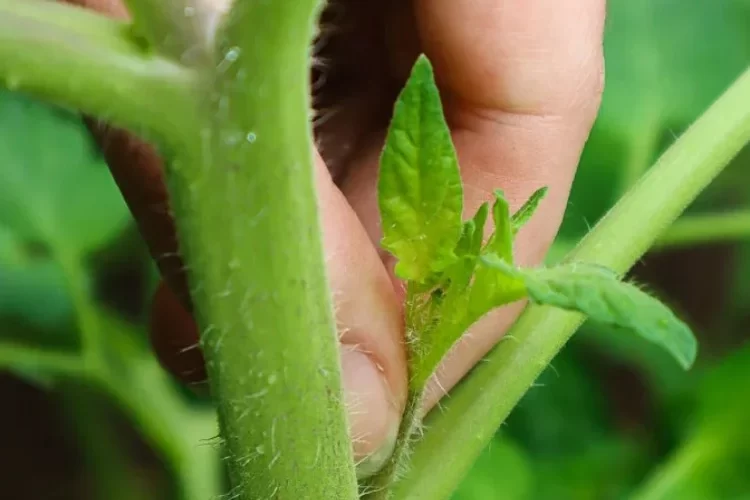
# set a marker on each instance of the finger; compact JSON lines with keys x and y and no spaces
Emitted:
{"x":174,"y":338}
{"x":521,"y":84}
{"x":114,"y":8}
{"x":368,"y":318}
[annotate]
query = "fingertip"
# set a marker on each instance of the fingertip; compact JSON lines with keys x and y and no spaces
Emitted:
{"x":374,"y":411}
{"x":174,"y":337}
{"x":519,"y":57}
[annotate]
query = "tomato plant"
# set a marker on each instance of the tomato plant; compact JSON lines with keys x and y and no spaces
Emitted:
{"x":215,"y":103}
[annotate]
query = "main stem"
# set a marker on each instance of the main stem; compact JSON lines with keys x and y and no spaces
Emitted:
{"x":458,"y":431}
{"x":244,"y":200}
{"x":246,"y":206}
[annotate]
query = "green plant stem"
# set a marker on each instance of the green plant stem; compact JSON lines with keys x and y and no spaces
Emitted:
{"x":688,"y":231}
{"x":706,"y":228}
{"x":172,"y":428}
{"x":118,"y":366}
{"x":86,"y":314}
{"x":162,"y":419}
{"x":24,"y":357}
{"x":458,"y":431}
{"x":377,"y":487}
{"x":691,"y":460}
{"x":79,"y":59}
{"x":181,"y":29}
{"x":642,"y":148}
{"x":247,"y":215}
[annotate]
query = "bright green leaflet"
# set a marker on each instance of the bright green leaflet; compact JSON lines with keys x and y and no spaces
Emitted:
{"x":421,"y":200}
{"x":501,"y":241}
{"x":522,"y":216}
{"x":462,"y":294}
{"x":598,"y":293}
{"x":419,"y":188}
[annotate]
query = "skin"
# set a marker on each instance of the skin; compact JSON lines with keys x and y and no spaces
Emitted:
{"x":521,"y":83}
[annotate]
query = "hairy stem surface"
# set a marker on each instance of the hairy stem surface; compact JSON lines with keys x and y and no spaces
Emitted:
{"x":246,"y":207}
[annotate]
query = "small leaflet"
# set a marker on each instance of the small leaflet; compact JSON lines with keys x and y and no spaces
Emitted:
{"x":598,"y":293}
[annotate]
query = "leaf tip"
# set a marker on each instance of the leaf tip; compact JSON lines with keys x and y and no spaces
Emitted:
{"x":687,"y":358}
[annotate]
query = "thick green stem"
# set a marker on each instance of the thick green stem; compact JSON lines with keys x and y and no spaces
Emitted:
{"x":96,"y":65}
{"x":21,"y":357}
{"x":641,"y":152}
{"x":165,"y":422}
{"x":378,"y":486}
{"x":246,"y":208}
{"x":459,"y":430}
{"x":92,"y":342}
{"x":182,"y":29}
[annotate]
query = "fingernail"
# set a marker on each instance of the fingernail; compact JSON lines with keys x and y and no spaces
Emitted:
{"x":373,"y":417}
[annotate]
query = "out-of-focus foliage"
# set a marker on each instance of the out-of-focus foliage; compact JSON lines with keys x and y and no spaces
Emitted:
{"x":61,"y":221}
{"x":612,"y":417}
{"x":666,"y":61}
{"x":55,"y":196}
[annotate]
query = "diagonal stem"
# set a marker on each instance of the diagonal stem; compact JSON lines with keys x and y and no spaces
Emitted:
{"x":457,"y":432}
{"x":96,"y":65}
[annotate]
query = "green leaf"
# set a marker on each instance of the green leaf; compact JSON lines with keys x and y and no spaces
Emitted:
{"x":56,"y":190}
{"x":436,"y":318}
{"x":469,"y":246}
{"x":600,"y":295}
{"x":522,"y":216}
{"x":419,"y":187}
{"x":490,"y":289}
{"x":34,"y":292}
{"x":56,"y":193}
{"x":473,"y":233}
{"x":501,"y":242}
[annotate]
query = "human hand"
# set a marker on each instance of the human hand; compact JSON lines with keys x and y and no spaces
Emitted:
{"x":521,"y":84}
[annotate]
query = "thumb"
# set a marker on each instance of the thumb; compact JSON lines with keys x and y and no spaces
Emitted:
{"x":369,"y":321}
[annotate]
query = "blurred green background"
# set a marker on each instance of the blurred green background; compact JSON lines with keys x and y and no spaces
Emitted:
{"x":89,"y":414}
